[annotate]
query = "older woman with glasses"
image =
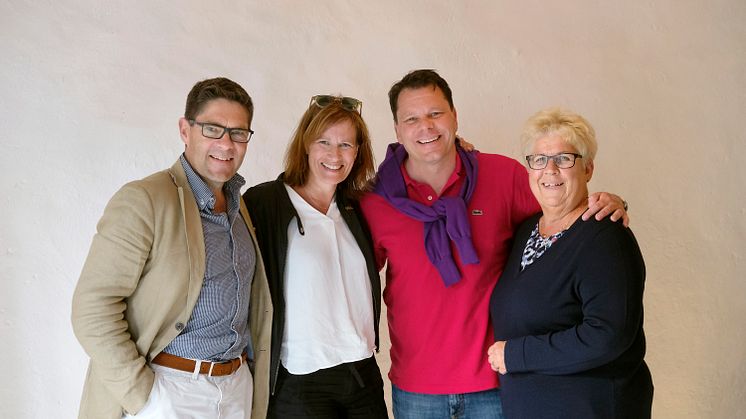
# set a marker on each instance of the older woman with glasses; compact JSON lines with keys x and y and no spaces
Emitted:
{"x":322,"y":273}
{"x":567,"y":310}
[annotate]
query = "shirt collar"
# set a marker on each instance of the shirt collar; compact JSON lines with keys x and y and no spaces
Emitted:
{"x":203,"y":194}
{"x":457,"y":174}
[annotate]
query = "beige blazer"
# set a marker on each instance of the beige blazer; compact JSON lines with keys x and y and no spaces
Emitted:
{"x":138,"y":287}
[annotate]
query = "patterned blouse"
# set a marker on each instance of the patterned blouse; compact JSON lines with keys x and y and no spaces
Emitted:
{"x":537,"y":245}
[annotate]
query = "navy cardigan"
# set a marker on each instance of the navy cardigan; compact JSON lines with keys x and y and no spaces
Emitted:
{"x":573,"y":325}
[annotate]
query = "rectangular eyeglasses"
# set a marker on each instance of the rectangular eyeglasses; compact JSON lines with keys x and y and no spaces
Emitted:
{"x":561,"y":160}
{"x":216,"y":132}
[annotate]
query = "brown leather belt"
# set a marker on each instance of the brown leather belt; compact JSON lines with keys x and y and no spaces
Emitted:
{"x":214,"y":369}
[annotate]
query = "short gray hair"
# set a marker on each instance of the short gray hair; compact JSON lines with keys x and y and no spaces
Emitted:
{"x":568,"y":125}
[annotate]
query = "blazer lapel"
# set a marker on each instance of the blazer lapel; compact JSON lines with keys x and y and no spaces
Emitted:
{"x":194,"y":234}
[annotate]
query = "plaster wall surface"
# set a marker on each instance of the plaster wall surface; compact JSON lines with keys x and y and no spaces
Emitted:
{"x":90,"y":95}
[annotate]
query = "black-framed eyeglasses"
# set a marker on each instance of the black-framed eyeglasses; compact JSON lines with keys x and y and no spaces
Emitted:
{"x":216,"y":132}
{"x":561,"y":160}
{"x":348,"y":103}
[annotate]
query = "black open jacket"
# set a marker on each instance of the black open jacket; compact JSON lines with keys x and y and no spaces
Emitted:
{"x":272,"y":212}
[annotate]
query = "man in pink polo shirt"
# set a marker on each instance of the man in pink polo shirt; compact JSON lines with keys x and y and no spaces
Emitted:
{"x":443,"y":219}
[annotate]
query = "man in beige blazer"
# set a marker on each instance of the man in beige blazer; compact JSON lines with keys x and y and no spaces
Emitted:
{"x":172,"y":305}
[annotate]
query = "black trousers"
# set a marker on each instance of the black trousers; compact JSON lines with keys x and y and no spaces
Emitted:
{"x":351,"y":390}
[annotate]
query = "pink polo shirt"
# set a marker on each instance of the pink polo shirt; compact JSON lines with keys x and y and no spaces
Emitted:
{"x":439,"y":335}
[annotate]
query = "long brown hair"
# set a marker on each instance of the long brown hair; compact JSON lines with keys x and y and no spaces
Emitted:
{"x":314,"y":122}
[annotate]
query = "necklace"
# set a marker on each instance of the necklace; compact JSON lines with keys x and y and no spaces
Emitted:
{"x":545,"y":231}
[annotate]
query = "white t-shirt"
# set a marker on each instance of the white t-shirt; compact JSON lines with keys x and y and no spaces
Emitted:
{"x":328,"y":304}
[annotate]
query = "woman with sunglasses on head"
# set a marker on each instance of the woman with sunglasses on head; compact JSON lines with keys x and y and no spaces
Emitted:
{"x":317,"y":251}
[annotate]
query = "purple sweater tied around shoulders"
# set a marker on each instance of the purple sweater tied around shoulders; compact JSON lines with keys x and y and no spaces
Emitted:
{"x":445,"y":220}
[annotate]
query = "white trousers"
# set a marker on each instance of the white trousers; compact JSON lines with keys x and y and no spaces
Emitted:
{"x":183,"y":395}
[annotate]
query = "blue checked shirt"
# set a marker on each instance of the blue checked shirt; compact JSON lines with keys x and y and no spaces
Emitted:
{"x":218,"y":329}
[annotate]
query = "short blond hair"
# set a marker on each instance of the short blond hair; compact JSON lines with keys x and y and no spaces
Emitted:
{"x":570,"y":126}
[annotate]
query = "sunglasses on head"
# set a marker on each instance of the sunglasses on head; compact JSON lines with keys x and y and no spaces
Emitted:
{"x":348,"y":103}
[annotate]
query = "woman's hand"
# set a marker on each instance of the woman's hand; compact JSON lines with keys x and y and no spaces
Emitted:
{"x":496,"y":357}
{"x":467,"y":146}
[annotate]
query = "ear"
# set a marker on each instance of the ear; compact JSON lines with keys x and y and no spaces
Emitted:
{"x":396,"y":130}
{"x":184,"y":130}
{"x":455,"y":118}
{"x":588,"y":172}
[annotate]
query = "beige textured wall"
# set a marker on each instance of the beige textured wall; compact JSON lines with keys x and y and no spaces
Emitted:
{"x":90,"y":93}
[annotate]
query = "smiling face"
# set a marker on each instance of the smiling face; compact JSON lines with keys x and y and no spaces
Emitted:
{"x":426,"y":126}
{"x":559,"y":191}
{"x":215,"y":160}
{"x":331,"y":156}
